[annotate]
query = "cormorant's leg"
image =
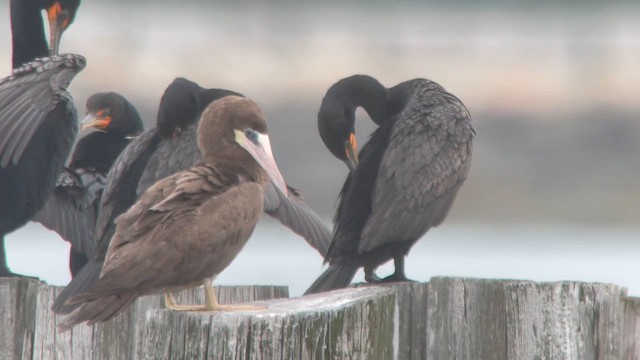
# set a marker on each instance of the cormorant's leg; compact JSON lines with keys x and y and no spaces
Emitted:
{"x":398,"y":275}
{"x":370,"y":275}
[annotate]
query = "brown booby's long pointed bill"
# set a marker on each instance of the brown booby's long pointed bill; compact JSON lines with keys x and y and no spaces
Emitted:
{"x":260,"y":149}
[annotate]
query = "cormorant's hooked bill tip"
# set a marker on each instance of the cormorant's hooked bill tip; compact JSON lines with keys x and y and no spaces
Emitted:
{"x":98,"y":120}
{"x":59,"y":20}
{"x":351,"y":151}
{"x":259,"y":147}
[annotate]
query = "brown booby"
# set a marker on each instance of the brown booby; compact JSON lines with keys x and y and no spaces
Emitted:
{"x":188,"y":227}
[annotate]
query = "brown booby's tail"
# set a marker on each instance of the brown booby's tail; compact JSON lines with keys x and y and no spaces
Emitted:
{"x":337,"y":276}
{"x":97,"y":310}
{"x":81,"y":283}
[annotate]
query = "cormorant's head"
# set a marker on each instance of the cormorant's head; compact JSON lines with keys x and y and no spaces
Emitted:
{"x":336,"y":118}
{"x":61,"y":14}
{"x":336,"y":124}
{"x":179,"y":107}
{"x":111,"y":112}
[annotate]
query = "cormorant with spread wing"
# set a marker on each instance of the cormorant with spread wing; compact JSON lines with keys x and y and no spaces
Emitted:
{"x":404,"y":180}
{"x":38,"y":122}
{"x":72,"y":208}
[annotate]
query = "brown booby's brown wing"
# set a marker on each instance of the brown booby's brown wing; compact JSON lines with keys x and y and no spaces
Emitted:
{"x":183,"y":229}
{"x":186,"y":228}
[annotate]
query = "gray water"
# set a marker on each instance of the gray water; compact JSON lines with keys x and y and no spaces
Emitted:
{"x":275,"y":256}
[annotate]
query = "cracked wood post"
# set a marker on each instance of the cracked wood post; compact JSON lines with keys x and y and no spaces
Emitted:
{"x":450,"y":318}
{"x":28,"y":326}
{"x":511,"y":319}
{"x":344,"y":324}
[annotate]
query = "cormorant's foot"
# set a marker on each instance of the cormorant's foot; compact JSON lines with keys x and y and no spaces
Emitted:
{"x":372,"y":278}
{"x":397,"y":278}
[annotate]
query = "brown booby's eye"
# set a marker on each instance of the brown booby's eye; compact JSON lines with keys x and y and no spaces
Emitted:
{"x":251,"y":135}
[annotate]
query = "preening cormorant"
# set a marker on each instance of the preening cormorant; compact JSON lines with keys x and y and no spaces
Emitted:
{"x":187,"y":228}
{"x":405,"y":178}
{"x":38,"y":122}
{"x":164,"y":150}
{"x":27,"y":30}
{"x":72,"y":208}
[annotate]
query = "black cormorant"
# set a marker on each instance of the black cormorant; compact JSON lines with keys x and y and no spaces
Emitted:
{"x":38,"y":122}
{"x":72,"y":208}
{"x":404,"y":180}
{"x":187,"y":228}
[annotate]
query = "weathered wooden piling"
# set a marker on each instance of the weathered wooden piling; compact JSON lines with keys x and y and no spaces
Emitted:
{"x":488,"y":319}
{"x":448,"y":318}
{"x":349,"y":324}
{"x":29,"y":331}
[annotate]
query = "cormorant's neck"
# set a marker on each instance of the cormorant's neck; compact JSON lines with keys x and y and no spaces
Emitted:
{"x":207,"y":96}
{"x":98,"y":150}
{"x":361,"y":91}
{"x":28,"y":37}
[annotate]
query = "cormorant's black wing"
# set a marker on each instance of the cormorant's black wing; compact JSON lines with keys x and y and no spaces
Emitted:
{"x":427,"y":160}
{"x":118,"y":195}
{"x":295,"y":214}
{"x":120,"y":191}
{"x":71,"y":209}
{"x":28,"y":95}
{"x":171,"y":156}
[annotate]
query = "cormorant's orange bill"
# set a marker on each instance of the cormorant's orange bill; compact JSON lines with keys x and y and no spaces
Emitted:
{"x":351,"y":150}
{"x":59,"y":20}
{"x":96,"y":120}
{"x":260,"y":150}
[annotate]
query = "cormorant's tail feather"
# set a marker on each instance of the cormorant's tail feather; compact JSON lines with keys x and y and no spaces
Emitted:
{"x":88,"y":275}
{"x":98,"y":310}
{"x":337,"y":276}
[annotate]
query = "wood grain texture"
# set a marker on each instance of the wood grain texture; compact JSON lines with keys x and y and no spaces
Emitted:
{"x":632,"y":329}
{"x":449,"y":318}
{"x":490,"y":319}
{"x":410,"y":325}
{"x":344,"y":324}
{"x":32,"y":334}
{"x":17,"y":317}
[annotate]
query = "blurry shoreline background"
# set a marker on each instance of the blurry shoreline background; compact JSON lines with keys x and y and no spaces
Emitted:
{"x":553,"y":87}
